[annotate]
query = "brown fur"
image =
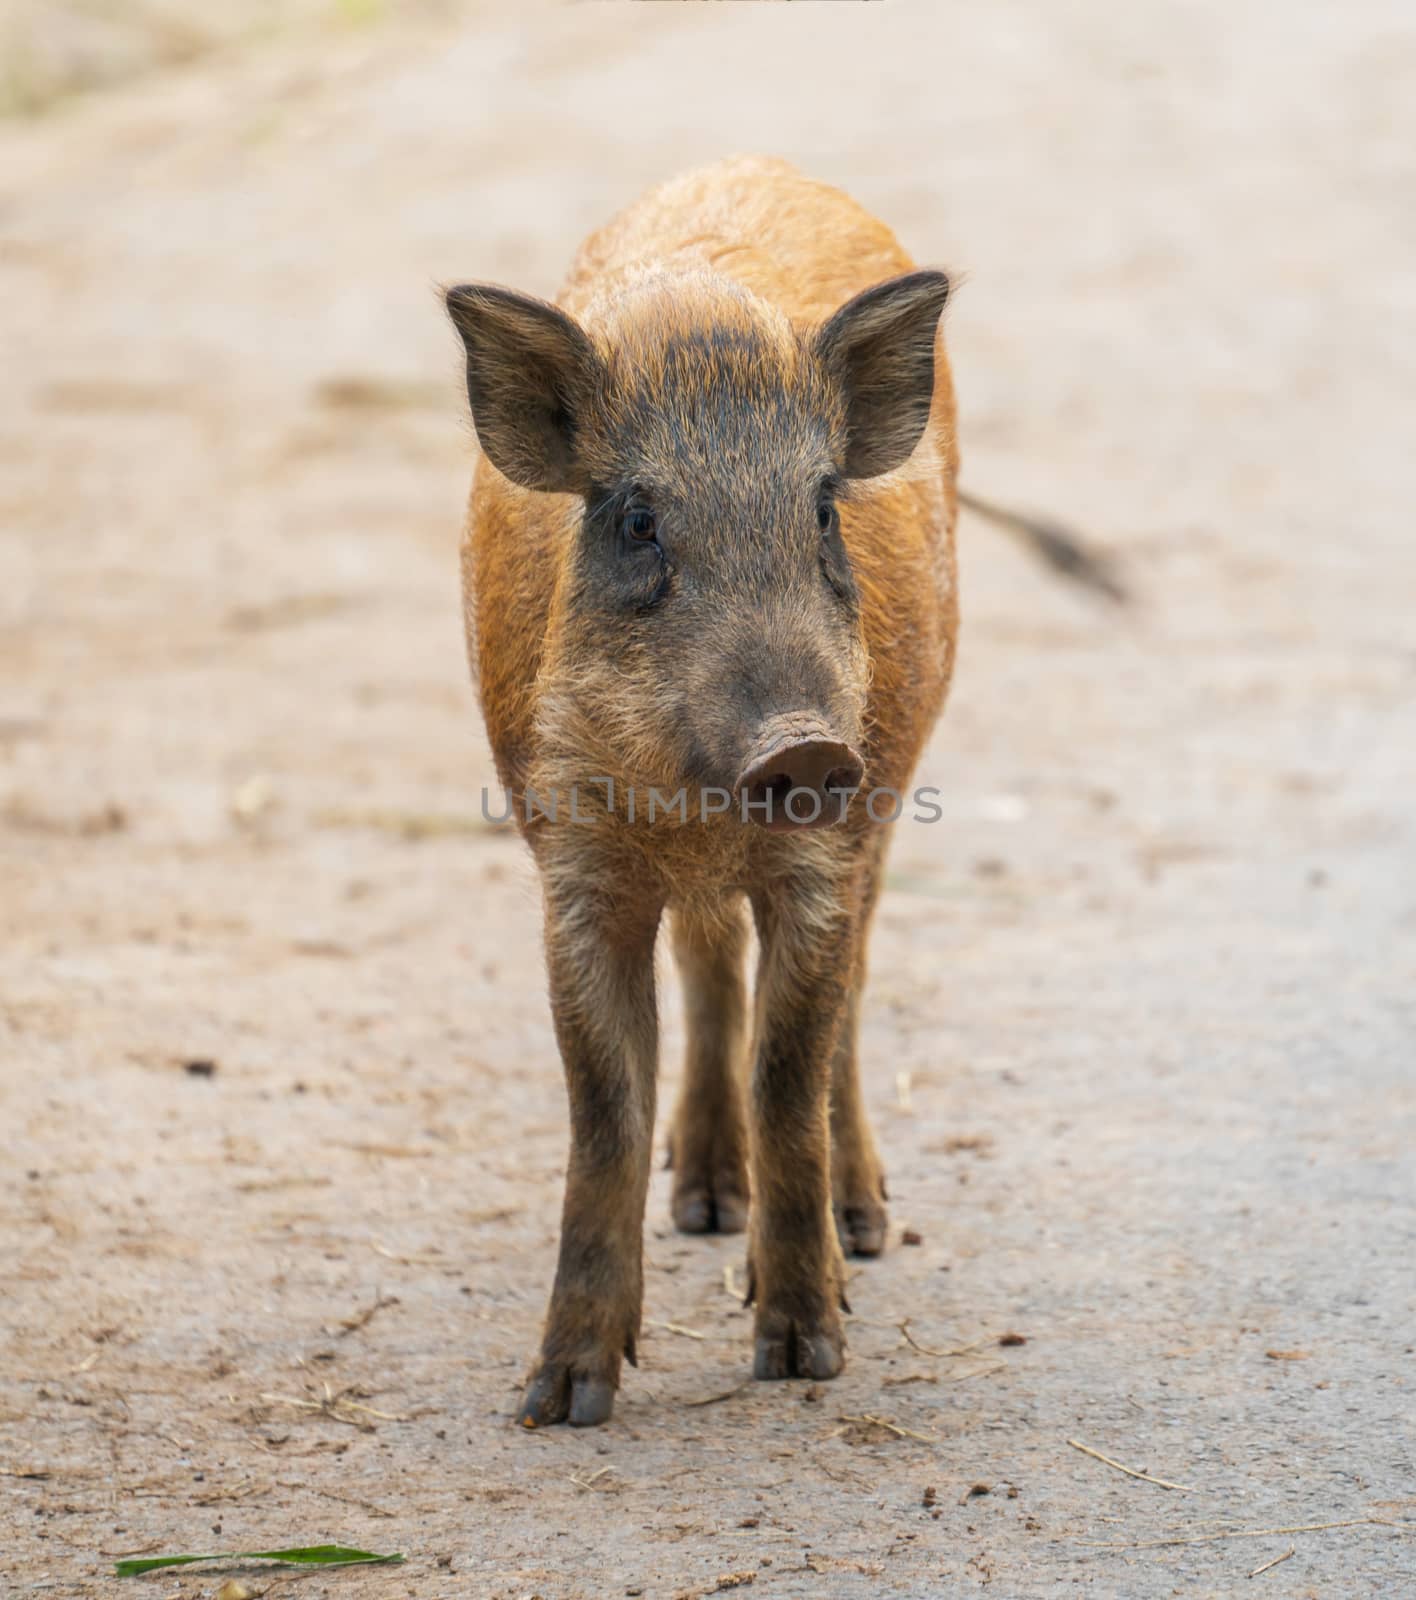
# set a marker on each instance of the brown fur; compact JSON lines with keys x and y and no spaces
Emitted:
{"x":697,"y":301}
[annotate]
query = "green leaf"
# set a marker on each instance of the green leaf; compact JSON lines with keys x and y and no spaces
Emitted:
{"x":312,"y":1555}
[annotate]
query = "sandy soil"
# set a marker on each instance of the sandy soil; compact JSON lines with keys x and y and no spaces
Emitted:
{"x":1140,"y":1042}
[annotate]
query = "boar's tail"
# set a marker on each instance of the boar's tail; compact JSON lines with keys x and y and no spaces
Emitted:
{"x":1059,"y":547}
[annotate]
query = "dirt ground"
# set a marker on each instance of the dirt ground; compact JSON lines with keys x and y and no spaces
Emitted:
{"x":282,"y":1123}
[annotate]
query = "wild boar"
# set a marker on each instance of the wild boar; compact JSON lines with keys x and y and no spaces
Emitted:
{"x":709,"y":557}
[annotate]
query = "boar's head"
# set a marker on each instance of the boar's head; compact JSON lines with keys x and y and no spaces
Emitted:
{"x":708,"y":627}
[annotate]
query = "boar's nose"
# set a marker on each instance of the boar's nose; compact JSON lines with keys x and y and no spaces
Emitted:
{"x":788,"y":780}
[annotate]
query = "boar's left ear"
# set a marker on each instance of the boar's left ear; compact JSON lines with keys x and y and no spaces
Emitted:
{"x":880,"y":348}
{"x":530,"y":374}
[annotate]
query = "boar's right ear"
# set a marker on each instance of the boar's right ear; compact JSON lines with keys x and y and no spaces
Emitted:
{"x":879,"y":348}
{"x":530,"y":374}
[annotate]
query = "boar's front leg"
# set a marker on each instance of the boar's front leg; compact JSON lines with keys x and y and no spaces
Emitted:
{"x":708,"y":1144}
{"x":600,"y":958}
{"x":795,"y":1271}
{"x":857,"y":1177}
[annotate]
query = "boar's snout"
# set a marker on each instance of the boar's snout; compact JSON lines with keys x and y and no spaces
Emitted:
{"x":796,"y":775}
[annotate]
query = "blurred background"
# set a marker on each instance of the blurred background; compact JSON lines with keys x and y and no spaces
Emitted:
{"x":1141,"y":1027}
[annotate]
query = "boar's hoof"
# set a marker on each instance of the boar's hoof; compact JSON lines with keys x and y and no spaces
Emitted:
{"x":861,"y":1228}
{"x":558,"y":1394}
{"x":717,"y":1206}
{"x":799,"y":1353}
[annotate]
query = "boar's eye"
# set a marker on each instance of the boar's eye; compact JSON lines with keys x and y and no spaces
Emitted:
{"x":640,"y":524}
{"x":835,"y":563}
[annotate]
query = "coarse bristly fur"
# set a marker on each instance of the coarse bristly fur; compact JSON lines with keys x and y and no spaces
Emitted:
{"x":714,"y":516}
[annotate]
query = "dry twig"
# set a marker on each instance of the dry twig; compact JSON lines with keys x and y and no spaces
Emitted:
{"x":335,"y":1406}
{"x":592,"y":1480}
{"x":407,"y":1261}
{"x":924,"y":1350}
{"x":713,"y":1399}
{"x":889,"y":1426}
{"x":978,"y":1372}
{"x":343,"y":1499}
{"x":1250,"y":1533}
{"x":1131,"y":1472}
{"x":675,"y":1327}
{"x":728,"y":1580}
{"x":1275,"y":1562}
{"x":361,"y":1319}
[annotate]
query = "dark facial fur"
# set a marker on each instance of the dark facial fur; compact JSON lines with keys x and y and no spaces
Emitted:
{"x":710,"y":590}
{"x":710,"y":572}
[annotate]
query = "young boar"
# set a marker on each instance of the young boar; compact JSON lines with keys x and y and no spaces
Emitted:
{"x":709,"y":554}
